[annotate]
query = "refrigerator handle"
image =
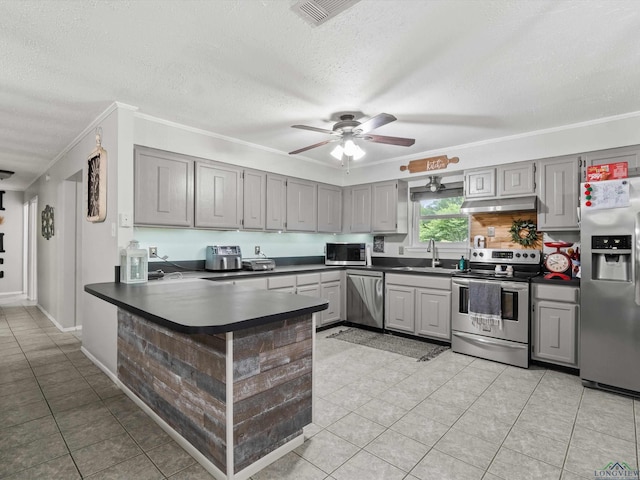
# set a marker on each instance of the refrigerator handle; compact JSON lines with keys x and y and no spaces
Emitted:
{"x":635,"y":261}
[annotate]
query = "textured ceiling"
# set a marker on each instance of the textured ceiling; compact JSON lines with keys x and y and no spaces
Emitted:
{"x":453,"y":72}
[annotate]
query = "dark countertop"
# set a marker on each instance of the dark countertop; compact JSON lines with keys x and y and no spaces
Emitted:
{"x":199,"y":306}
{"x":574,"y":282}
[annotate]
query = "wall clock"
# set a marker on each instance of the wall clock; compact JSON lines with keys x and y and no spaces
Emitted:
{"x":47,"y":222}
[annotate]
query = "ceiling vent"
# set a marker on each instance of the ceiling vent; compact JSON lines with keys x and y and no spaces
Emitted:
{"x":316,"y":12}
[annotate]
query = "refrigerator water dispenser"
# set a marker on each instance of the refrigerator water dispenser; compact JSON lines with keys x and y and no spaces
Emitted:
{"x":611,"y":258}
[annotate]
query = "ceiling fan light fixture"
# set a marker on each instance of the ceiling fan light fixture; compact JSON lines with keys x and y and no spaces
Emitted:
{"x":434,"y":184}
{"x":337,"y":152}
{"x":4,"y":174}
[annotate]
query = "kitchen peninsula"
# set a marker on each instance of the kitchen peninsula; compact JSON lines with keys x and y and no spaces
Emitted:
{"x":228,"y":368}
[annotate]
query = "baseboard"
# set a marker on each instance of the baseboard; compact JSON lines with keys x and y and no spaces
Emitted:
{"x":55,"y":322}
{"x":20,"y":295}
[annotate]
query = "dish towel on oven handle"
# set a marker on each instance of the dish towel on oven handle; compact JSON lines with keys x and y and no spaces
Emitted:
{"x":485,"y":304}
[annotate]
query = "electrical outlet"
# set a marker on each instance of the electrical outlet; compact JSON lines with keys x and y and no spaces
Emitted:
{"x":400,"y":250}
{"x":257,"y":249}
{"x":491,"y":231}
{"x":153,"y":252}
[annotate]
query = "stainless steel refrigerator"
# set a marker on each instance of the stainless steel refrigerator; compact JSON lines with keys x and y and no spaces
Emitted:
{"x":609,"y":287}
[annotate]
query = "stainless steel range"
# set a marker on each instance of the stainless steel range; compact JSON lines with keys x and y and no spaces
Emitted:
{"x":506,"y":340}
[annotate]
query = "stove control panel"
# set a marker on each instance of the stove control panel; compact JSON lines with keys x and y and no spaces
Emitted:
{"x":505,"y":256}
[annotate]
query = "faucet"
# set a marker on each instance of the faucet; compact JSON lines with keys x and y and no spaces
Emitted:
{"x":431,"y":247}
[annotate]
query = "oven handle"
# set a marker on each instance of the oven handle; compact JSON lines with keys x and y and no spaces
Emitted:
{"x":500,"y":343}
{"x":510,"y":285}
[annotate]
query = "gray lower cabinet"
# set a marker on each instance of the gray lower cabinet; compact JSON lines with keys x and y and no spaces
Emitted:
{"x":555,"y":327}
{"x":163,"y":188}
{"x":419,"y":305}
{"x":331,"y":292}
{"x":558,"y":193}
{"x":218,"y":196}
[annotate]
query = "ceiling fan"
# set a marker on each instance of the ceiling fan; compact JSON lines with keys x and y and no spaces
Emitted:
{"x":348,"y":129}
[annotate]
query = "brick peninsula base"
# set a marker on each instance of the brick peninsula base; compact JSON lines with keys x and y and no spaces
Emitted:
{"x":240,"y":398}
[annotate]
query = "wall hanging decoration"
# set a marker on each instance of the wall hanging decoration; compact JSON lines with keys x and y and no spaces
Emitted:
{"x":47,"y":222}
{"x":428,"y":164}
{"x":97,"y":182}
{"x":524,"y":232}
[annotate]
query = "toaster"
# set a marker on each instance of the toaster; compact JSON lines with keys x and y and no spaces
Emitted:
{"x":220,"y":257}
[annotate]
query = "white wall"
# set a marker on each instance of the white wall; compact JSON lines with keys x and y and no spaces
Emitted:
{"x":12,"y":227}
{"x":99,"y":242}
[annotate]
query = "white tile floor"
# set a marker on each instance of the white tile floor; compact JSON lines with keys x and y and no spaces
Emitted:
{"x":383,"y":416}
{"x":379,"y":415}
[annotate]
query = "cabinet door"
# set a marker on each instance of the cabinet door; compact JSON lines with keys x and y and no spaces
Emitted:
{"x":433,"y":313}
{"x":480,"y":183}
{"x":276,"y":215}
{"x":631,"y":155}
{"x":399,"y":309}
{"x":555,"y":332}
{"x":361,"y":209}
{"x":558,"y":193}
{"x":384,"y":217}
{"x":329,"y":209}
{"x":302,"y":205}
{"x":218,"y":196}
{"x":330,"y":291}
{"x":163,"y":189}
{"x":516,"y":179}
{"x":254,"y":187}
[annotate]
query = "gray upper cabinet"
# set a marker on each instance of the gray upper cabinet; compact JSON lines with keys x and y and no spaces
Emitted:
{"x":218,"y":196}
{"x":163,"y":188}
{"x":329,"y":208}
{"x":480,"y":183}
{"x":390,"y":207}
{"x":302,"y":205}
{"x":558,"y":193}
{"x":255,"y":194}
{"x":631,"y":155}
{"x":360,"y":209}
{"x":516,"y":179}
{"x":276,"y":211}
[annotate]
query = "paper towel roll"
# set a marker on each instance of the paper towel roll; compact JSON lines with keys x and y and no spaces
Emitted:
{"x":368,"y":254}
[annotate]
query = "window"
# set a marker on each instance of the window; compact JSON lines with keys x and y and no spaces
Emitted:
{"x":438,"y":216}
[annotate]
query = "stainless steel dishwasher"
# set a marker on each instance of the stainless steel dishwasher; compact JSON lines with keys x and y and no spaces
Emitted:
{"x":365,"y":295}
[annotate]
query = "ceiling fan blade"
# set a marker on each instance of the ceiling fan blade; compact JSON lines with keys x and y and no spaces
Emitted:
{"x":314,"y":129}
{"x":375,"y":122}
{"x":304,"y":149}
{"x":403,"y":142}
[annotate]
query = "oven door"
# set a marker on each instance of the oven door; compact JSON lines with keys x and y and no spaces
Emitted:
{"x":515,"y":311}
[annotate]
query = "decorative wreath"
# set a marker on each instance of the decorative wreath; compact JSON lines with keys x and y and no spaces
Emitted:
{"x":524,"y":232}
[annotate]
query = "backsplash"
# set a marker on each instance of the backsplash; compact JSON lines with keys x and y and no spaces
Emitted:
{"x":190,"y":244}
{"x":502,"y":222}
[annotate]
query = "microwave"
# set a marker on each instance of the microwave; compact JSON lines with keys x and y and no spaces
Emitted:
{"x":344,"y":253}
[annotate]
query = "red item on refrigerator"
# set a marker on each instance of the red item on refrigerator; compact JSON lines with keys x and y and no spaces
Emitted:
{"x":607,"y":171}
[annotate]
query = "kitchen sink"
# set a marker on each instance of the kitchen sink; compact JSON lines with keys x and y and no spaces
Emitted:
{"x":425,"y":269}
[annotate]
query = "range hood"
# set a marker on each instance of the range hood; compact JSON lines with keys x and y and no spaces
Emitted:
{"x":499,"y":205}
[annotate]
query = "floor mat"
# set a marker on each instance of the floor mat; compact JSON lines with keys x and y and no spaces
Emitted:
{"x":409,"y":347}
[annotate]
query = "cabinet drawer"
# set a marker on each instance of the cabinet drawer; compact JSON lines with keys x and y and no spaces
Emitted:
{"x":308,"y":279}
{"x":556,"y":293}
{"x":424,"y":281}
{"x":330,"y":276}
{"x":281,"y":281}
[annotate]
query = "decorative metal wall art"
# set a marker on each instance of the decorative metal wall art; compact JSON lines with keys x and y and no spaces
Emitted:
{"x":47,"y":222}
{"x":97,"y":182}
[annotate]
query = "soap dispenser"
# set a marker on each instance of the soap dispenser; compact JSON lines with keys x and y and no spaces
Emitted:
{"x":461,"y":263}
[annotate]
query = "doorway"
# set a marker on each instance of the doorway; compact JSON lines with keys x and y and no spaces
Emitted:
{"x":30,"y":250}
